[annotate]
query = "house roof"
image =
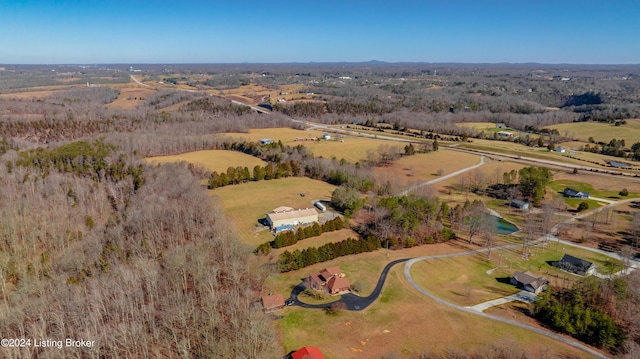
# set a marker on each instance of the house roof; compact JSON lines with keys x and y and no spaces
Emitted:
{"x":316,"y":279}
{"x":329,"y":272}
{"x":527,"y":278}
{"x":574,"y":264}
{"x":272,"y":301}
{"x":307,"y":353}
{"x":296,"y":213}
{"x":572,"y":192}
{"x":337,"y":284}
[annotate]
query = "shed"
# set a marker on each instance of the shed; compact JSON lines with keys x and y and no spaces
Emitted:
{"x":272,"y":302}
{"x":520,"y":204}
{"x":266,"y":141}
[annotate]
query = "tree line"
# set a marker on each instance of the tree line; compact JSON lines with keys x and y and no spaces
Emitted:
{"x":290,"y":261}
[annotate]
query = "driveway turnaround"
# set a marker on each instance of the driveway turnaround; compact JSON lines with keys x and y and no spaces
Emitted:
{"x":352,"y":301}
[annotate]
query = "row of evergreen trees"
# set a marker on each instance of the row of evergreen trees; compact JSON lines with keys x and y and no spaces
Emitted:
{"x":235,"y":175}
{"x":289,"y":261}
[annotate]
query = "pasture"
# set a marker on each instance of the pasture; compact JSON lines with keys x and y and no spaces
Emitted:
{"x":601,"y":131}
{"x":351,"y":149}
{"x":130,"y":97}
{"x":246,"y":203}
{"x":400,"y":322}
{"x":212,"y":160}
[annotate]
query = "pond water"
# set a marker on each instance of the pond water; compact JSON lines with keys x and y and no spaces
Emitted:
{"x":502,"y":226}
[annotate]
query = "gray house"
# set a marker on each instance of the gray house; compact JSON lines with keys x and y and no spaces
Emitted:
{"x":572,"y":193}
{"x":528,"y":282}
{"x":575,"y":265}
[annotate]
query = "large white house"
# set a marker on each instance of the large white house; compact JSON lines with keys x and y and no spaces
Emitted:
{"x":286,"y":216}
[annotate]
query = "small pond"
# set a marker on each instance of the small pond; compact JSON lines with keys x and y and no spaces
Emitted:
{"x":502,"y":226}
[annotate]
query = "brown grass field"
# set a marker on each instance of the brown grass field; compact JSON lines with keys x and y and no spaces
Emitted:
{"x":213,"y":160}
{"x":423,"y":167}
{"x":247,"y":203}
{"x":400,"y":322}
{"x":131,"y":97}
{"x":353,"y":149}
{"x":601,"y":131}
{"x":28,"y":95}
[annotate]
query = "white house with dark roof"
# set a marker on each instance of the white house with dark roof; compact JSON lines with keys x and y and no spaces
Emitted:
{"x":528,"y":282}
{"x":572,"y":193}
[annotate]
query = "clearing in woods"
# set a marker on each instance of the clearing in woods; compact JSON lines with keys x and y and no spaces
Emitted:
{"x":248,"y":202}
{"x":130,"y":97}
{"x":349,"y":148}
{"x":213,"y":160}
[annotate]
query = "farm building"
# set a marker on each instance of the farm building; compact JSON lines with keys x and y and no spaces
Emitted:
{"x":272,"y":302}
{"x":572,"y":193}
{"x":287,"y":216}
{"x":326,"y":136}
{"x":329,"y":280}
{"x":519,"y":204}
{"x":307,"y":353}
{"x":560,"y":149}
{"x":575,"y":265}
{"x":528,"y":282}
{"x":266,"y":141}
{"x":505,"y":134}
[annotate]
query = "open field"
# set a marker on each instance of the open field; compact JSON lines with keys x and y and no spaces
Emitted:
{"x":353,"y":149}
{"x":400,"y":322}
{"x":130,"y":97}
{"x":248,"y":202}
{"x":603,"y":191}
{"x":424,"y":167}
{"x":603,"y":186}
{"x":601,"y":131}
{"x":213,"y":160}
{"x":468,"y":280}
{"x":28,"y":94}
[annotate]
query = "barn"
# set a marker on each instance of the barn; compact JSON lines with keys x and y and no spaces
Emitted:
{"x":285,"y":216}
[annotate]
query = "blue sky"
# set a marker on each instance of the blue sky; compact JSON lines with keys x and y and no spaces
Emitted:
{"x":198,"y":31}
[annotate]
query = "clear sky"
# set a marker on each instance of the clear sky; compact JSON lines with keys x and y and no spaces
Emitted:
{"x":199,"y":31}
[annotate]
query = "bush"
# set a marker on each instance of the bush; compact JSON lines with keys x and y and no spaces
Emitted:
{"x":583,"y":206}
{"x":624,"y":192}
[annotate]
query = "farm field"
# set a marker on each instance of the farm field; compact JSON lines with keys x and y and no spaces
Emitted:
{"x":246,"y":203}
{"x":400,"y":322}
{"x":353,"y":149}
{"x":213,"y":160}
{"x":423,"y":167}
{"x":603,"y":186}
{"x":601,"y":131}
{"x":130,"y":97}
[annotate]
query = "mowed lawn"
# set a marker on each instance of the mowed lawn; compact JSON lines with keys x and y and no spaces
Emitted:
{"x":470,"y":280}
{"x":424,"y":167}
{"x":402,"y":322}
{"x":249,"y":202}
{"x":349,"y":148}
{"x":601,"y":131}
{"x":213,"y":160}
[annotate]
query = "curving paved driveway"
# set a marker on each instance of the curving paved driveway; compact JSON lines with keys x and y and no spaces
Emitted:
{"x":352,"y":301}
